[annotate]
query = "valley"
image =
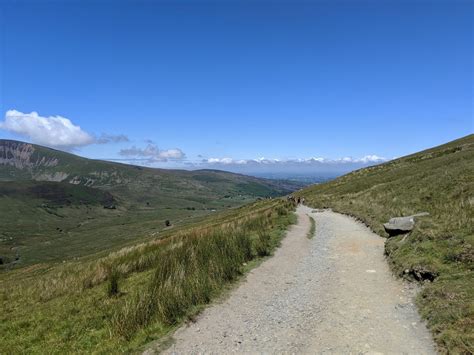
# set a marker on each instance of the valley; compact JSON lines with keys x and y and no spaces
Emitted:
{"x":55,"y":206}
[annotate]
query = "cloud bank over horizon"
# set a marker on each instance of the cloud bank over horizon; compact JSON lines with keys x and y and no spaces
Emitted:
{"x":314,"y":160}
{"x":151,"y":156}
{"x":314,"y":166}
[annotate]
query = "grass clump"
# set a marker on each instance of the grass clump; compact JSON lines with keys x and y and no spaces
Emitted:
{"x":263,"y":243}
{"x":113,"y":285}
{"x":312,"y":228}
{"x":441,"y":246}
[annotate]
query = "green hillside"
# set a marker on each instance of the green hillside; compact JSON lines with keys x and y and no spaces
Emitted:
{"x":118,"y":302}
{"x":440,"y":248}
{"x":55,"y":205}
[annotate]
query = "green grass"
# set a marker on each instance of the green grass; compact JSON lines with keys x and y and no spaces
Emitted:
{"x":441,"y":182}
{"x":124,"y":300}
{"x":312,"y":229}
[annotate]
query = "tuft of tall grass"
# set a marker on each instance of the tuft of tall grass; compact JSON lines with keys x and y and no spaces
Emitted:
{"x":312,"y":228}
{"x":113,"y":285}
{"x":263,"y":243}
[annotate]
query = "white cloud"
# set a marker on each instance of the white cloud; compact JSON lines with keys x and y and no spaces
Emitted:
{"x":365,"y":160}
{"x":372,"y":159}
{"x":54,"y":131}
{"x":171,"y":154}
{"x":317,"y":159}
{"x":153,"y":153}
{"x":224,"y":161}
{"x":110,"y":138}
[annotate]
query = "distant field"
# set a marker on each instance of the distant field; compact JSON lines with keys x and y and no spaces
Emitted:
{"x":441,"y":247}
{"x":38,"y":230}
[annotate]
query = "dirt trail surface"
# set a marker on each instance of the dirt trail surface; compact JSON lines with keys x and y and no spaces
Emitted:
{"x":333,"y":293}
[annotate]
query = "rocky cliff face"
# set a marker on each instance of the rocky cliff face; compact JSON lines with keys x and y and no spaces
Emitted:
{"x":22,"y":156}
{"x":34,"y":162}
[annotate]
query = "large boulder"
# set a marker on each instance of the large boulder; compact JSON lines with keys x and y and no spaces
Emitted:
{"x":399,"y":225}
{"x":402,"y":225}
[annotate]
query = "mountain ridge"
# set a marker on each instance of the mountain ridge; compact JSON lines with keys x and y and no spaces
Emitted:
{"x":22,"y":160}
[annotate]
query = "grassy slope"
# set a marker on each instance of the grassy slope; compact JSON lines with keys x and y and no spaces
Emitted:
{"x":69,"y":307}
{"x":441,"y":182}
{"x":71,"y":222}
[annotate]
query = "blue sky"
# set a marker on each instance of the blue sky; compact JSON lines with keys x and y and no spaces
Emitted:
{"x":183,"y":81}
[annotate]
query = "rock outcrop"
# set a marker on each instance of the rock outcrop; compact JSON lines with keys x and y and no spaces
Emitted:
{"x":402,"y":225}
{"x":21,"y":156}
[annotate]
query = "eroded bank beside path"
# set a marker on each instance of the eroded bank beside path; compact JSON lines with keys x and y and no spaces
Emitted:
{"x":333,"y":293}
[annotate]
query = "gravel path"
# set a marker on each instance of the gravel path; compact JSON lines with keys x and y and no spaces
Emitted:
{"x":333,"y":293}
